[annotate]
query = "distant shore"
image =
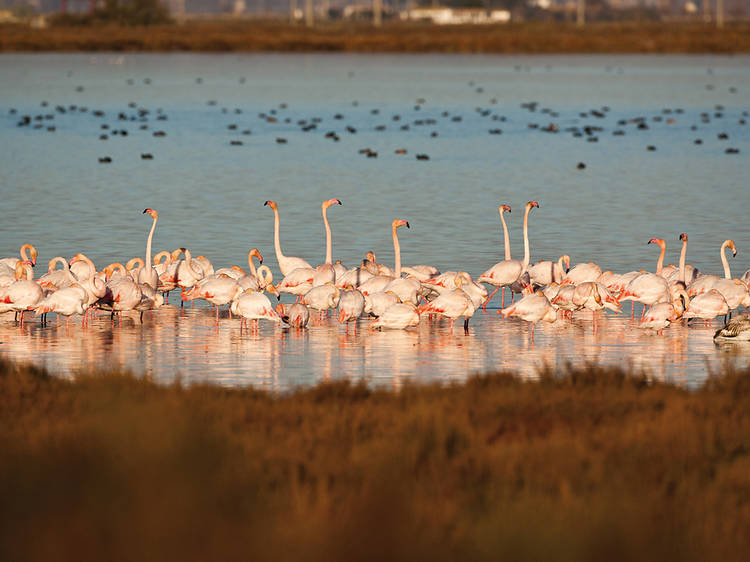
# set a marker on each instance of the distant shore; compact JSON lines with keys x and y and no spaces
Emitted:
{"x":274,"y":36}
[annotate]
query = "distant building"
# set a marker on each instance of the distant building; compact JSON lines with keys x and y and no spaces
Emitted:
{"x":456,"y":16}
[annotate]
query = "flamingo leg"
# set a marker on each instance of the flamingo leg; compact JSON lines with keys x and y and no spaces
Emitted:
{"x":484,"y":306}
{"x":532,"y":333}
{"x":502,"y":298}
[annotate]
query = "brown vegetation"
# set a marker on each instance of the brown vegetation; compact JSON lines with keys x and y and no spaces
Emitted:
{"x":589,"y":465}
{"x":254,"y":36}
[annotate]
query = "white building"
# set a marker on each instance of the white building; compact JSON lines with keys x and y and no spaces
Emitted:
{"x":455,"y":16}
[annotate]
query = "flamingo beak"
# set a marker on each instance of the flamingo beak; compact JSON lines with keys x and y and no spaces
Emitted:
{"x":407,"y":224}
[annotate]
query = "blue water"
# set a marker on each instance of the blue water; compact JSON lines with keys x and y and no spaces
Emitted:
{"x":210,"y":193}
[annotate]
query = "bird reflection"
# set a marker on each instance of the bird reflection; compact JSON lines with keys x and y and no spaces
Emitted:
{"x":188,"y":345}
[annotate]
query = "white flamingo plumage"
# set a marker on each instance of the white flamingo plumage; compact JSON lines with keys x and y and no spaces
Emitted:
{"x":397,"y":317}
{"x":377,"y":303}
{"x":545,"y":272}
{"x":24,"y":293}
{"x":27,"y":254}
{"x":532,"y":308}
{"x":707,"y":306}
{"x":379,"y":282}
{"x":296,"y":315}
{"x":255,"y":306}
{"x":351,"y":305}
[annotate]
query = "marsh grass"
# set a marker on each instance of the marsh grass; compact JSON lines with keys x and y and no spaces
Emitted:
{"x":260,"y":36}
{"x":589,"y":464}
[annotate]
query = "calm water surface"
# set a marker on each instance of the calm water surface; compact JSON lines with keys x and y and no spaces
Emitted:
{"x":210,"y":192}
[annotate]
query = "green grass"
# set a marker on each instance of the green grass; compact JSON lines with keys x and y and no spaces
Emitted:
{"x":590,"y":464}
{"x":262,"y":36}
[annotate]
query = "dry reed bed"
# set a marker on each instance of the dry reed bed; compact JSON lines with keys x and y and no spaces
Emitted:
{"x":226,"y":36}
{"x":593,"y":464}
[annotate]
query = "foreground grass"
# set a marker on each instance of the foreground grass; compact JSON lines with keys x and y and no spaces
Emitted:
{"x":260,"y":36}
{"x":588,"y":465}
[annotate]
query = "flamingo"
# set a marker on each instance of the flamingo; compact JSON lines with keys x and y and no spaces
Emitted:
{"x":705,"y":283}
{"x":737,"y":329}
{"x":379,"y":282}
{"x":684,"y":274}
{"x":65,"y":302}
{"x":256,"y":278}
{"x":658,"y":317}
{"x":582,"y":272}
{"x":148,"y":275}
{"x":545,"y":272}
{"x":188,"y":273}
{"x":452,"y":304}
{"x":351,"y":305}
{"x":94,"y":286}
{"x":216,"y":290}
{"x":397,"y":317}
{"x":505,"y":273}
{"x":326,"y":273}
{"x":649,"y":288}
{"x":56,"y":279}
{"x":377,"y":303}
{"x":9,"y":264}
{"x":123,"y":293}
{"x":563,"y":299}
{"x":707,"y":306}
{"x":594,"y":296}
{"x":296,"y":314}
{"x":252,"y":305}
{"x":24,"y":293}
{"x":322,"y":298}
{"x":532,"y":308}
{"x":287,"y":264}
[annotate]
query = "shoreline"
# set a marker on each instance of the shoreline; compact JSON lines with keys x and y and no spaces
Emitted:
{"x":214,"y":36}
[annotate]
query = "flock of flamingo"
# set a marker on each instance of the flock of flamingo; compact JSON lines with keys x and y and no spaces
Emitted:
{"x":399,"y":298}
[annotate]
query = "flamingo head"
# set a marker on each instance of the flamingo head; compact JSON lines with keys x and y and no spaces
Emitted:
{"x":75,"y":259}
{"x":370,"y":256}
{"x":732,"y":247}
{"x":566,"y":261}
{"x":504,"y":208}
{"x":531,"y":204}
{"x":400,"y":222}
{"x":658,"y":241}
{"x":152,"y":213}
{"x":255,"y":252}
{"x":32,"y":253}
{"x":683,"y":237}
{"x":330,"y":202}
{"x":271,"y":204}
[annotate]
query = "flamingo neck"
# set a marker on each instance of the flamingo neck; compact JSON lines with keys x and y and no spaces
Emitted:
{"x":24,"y":255}
{"x":329,"y":249}
{"x":683,"y":253}
{"x":66,"y":268}
{"x":189,"y":262}
{"x":660,"y":261}
{"x":251,"y":265}
{"x":397,"y":252}
{"x":276,"y":244}
{"x":724,"y":262}
{"x":148,"y":246}
{"x":526,"y":256}
{"x":506,"y":237}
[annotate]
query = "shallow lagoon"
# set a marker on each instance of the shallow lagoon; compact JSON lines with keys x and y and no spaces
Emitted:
{"x":210,"y":192}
